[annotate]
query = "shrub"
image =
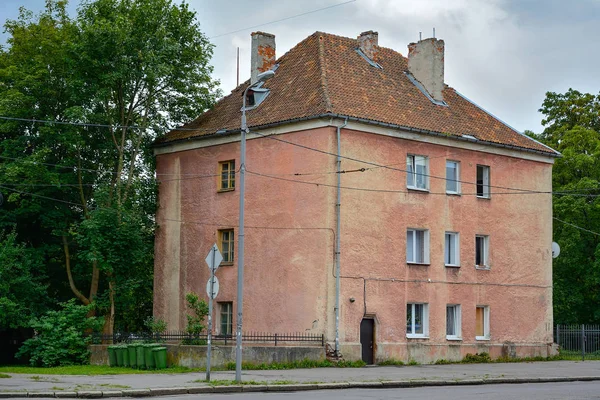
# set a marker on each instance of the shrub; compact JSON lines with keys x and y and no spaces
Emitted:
{"x":60,"y":337}
{"x":195,"y":322}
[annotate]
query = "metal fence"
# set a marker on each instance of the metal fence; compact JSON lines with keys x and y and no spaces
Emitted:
{"x":578,"y":341}
{"x":187,"y":338}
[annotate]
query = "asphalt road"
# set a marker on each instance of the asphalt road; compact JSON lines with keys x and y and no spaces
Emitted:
{"x":545,"y":391}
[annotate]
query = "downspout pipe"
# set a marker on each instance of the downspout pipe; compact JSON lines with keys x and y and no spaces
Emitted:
{"x":338,"y":204}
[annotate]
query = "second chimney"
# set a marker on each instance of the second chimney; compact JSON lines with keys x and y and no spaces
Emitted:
{"x":367,"y":43}
{"x":426,"y":64}
{"x":263,"y":54}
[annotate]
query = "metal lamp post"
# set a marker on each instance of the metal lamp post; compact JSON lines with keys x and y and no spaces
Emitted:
{"x":240,"y":277}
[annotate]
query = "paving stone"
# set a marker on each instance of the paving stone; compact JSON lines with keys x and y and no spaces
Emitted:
{"x":41,"y":394}
{"x":90,"y":394}
{"x":136,"y":392}
{"x":369,"y":385}
{"x":168,"y":391}
{"x":6,"y":395}
{"x":292,"y":388}
{"x":65,"y":395}
{"x":333,"y":385}
{"x":254,"y":388}
{"x":112,"y":393}
{"x":200,"y":389}
{"x":227,"y":389}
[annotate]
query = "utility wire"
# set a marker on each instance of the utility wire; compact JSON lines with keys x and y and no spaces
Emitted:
{"x":384,"y":166}
{"x":282,"y":19}
{"x":576,"y":226}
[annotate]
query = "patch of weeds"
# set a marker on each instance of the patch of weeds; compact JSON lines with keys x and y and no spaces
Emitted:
{"x":477,"y":358}
{"x":57,"y":388}
{"x":114,"y":386}
{"x":4,"y":375}
{"x":391,"y":361}
{"x":91,"y":370}
{"x":306,"y":363}
{"x":443,"y":361}
{"x":43,"y":379}
{"x":412,"y":361}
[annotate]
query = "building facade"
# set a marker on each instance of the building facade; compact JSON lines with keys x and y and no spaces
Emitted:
{"x":444,"y":222}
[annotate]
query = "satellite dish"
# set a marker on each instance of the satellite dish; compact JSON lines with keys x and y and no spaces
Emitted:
{"x":555,"y":249}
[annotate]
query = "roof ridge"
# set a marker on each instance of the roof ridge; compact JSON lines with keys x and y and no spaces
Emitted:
{"x":323,"y":67}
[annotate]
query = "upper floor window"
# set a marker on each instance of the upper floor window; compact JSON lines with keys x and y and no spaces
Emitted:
{"x":452,"y":177}
{"x":417,"y":172}
{"x":227,"y":175}
{"x":483,"y":181}
{"x":482,"y":250}
{"x":417,"y":246}
{"x":451,"y":249}
{"x":225,"y":244}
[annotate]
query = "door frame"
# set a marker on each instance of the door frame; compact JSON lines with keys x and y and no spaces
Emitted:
{"x":372,"y":317}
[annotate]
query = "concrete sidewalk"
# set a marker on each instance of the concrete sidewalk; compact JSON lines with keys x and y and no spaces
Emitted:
{"x":21,"y":385}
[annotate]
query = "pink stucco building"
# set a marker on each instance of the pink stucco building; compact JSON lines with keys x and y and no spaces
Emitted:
{"x":445,"y":224}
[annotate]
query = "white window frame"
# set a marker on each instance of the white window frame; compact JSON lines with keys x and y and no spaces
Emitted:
{"x":455,"y":248}
{"x":486,"y":252}
{"x":424,"y":318}
{"x":486,"y":181}
{"x":411,"y":172}
{"x":456,"y":178}
{"x":486,"y":323}
{"x":457,"y":322}
{"x":412,"y":232}
{"x":219,"y":323}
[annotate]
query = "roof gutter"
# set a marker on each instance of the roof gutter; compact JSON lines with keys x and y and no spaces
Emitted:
{"x":556,"y":154}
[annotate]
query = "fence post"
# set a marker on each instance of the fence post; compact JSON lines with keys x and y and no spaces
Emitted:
{"x":582,"y":342}
{"x":558,"y":335}
{"x":322,"y":339}
{"x":275,"y":339}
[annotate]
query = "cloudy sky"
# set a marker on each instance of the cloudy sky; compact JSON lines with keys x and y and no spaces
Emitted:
{"x":502,"y":54}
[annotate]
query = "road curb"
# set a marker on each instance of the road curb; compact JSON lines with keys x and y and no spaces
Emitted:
{"x":292,"y":387}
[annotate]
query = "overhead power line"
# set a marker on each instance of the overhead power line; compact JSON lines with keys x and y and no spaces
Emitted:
{"x":282,"y":19}
{"x":576,"y":226}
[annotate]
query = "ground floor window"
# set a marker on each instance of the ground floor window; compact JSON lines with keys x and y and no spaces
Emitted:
{"x":417,"y":320}
{"x":482,"y":323}
{"x":453,"y":322}
{"x":225,"y":318}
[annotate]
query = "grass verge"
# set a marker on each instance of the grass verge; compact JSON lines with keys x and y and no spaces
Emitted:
{"x":4,"y":375}
{"x":89,"y":370}
{"x":224,"y":382}
{"x":299,"y":364}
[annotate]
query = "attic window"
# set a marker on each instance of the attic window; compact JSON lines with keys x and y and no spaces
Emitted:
{"x":469,"y":137}
{"x":255,"y":96}
{"x":373,"y":63}
{"x":424,"y":91}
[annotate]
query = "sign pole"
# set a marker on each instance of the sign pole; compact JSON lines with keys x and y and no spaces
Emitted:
{"x":210,"y":311}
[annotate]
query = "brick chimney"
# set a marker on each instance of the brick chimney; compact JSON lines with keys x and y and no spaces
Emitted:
{"x":426,"y":64}
{"x":263,"y":54}
{"x":368,"y":43}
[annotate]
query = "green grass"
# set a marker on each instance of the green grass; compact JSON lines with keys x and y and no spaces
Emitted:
{"x":391,"y":361}
{"x":89,"y":370}
{"x":299,"y":364}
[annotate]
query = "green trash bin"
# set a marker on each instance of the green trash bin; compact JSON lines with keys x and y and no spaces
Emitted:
{"x":139,"y":355}
{"x":131,"y":349}
{"x":125,"y":355}
{"x":112,"y":356}
{"x":160,"y":357}
{"x":119,"y":353}
{"x":149,"y":357}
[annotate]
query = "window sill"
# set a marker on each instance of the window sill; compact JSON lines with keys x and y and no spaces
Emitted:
{"x":482,"y":338}
{"x":412,"y":336}
{"x":225,"y":190}
{"x":224,"y":264}
{"x":482,"y":268}
{"x":454,"y":339}
{"x":454,"y":194}
{"x":484,"y":197}
{"x":418,"y":264}
{"x":452,"y":265}
{"x":416,"y":189}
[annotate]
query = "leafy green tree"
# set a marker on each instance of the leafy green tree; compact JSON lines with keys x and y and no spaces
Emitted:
{"x":85,"y":195}
{"x":195,"y":321}
{"x":23,"y":294}
{"x":572,"y":123}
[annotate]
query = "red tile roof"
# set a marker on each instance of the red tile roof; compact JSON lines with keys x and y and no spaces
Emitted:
{"x":324,"y":74}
